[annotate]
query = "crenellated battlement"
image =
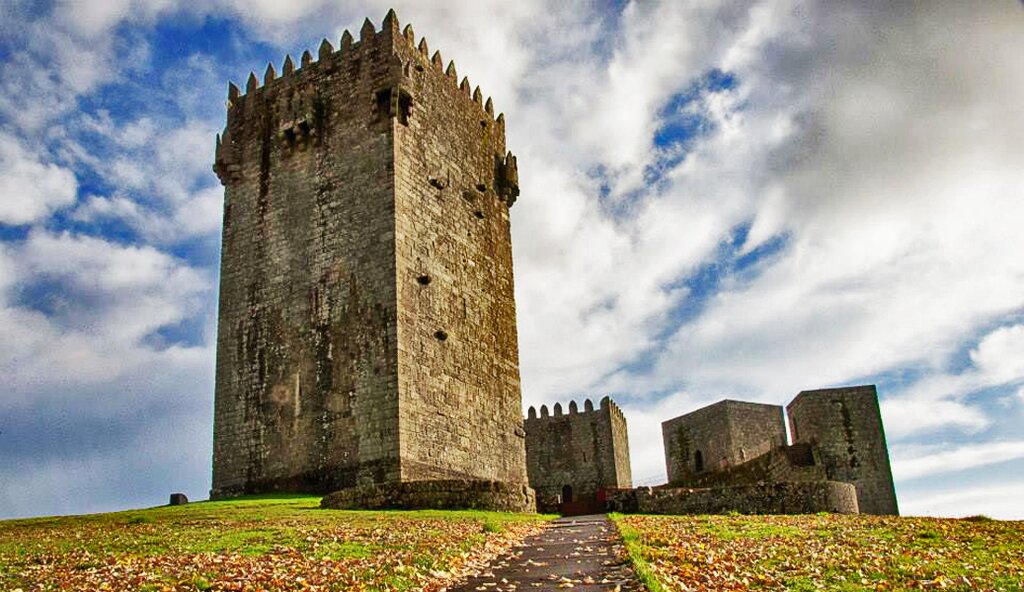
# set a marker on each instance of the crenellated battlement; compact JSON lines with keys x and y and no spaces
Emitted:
{"x":349,"y":49}
{"x":572,"y":456}
{"x":383,"y":75}
{"x":605,"y":405}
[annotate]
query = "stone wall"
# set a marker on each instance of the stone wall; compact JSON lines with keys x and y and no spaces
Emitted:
{"x":441,"y":494}
{"x":783,"y":464}
{"x":458,"y":365}
{"x":719,"y":436}
{"x":585,"y":451}
{"x":844,"y":426}
{"x":770,"y":498}
{"x":366,"y":331}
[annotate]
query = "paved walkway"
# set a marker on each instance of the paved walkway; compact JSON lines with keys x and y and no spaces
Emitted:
{"x":581,"y":553}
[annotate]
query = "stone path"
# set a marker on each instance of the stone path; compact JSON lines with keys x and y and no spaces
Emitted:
{"x":579,"y":553}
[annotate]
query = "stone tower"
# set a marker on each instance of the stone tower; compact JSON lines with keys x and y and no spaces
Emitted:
{"x":844,"y":426}
{"x":720,"y":436}
{"x":367,"y":330}
{"x":572,"y":457}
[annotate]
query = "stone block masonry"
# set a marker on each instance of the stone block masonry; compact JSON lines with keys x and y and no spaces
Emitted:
{"x":572,"y":457}
{"x":720,"y":436}
{"x":367,"y":331}
{"x":837,"y":437}
{"x":844,"y":427}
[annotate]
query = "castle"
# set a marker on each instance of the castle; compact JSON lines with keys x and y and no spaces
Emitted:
{"x":838,"y":446}
{"x":366,"y":330}
{"x":572,"y":458}
{"x":367,"y":343}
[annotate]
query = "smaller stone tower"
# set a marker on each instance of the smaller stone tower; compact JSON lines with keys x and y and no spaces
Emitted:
{"x":844,"y":426}
{"x":572,"y":458}
{"x":720,"y":436}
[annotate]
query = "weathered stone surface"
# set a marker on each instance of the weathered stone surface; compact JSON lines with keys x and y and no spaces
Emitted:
{"x":178,"y":499}
{"x":770,"y":498}
{"x":440,"y":494}
{"x":719,"y":436}
{"x":578,"y":453}
{"x":844,"y":426}
{"x":837,"y":436}
{"x":337,"y":365}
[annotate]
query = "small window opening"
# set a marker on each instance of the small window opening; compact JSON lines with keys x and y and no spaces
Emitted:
{"x":391,"y":105}
{"x":404,"y":107}
{"x":481,"y":187}
{"x":423,"y":279}
{"x":483,"y":123}
{"x":567,"y":494}
{"x":383,"y":103}
{"x":698,"y":461}
{"x":479,"y":214}
{"x":419,"y":67}
{"x":440,"y":335}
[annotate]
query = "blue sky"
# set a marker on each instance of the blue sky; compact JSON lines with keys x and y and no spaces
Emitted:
{"x":719,"y":199}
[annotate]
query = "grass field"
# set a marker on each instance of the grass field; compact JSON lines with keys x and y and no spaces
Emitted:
{"x":266,"y":543}
{"x":824,"y":552}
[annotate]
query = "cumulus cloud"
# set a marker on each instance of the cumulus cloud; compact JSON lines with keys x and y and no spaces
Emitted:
{"x":998,"y":500}
{"x":31,"y":188}
{"x":81,"y":312}
{"x":917,"y":462}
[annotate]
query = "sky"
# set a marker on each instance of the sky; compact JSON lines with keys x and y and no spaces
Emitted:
{"x":720,"y":199}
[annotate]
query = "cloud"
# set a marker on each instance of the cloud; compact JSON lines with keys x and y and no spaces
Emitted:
{"x":895,"y":206}
{"x":936,"y":459}
{"x":80,"y":315}
{"x":99,"y":411}
{"x":995,"y":500}
{"x":30,"y":188}
{"x":998,"y":356}
{"x":940,"y":398}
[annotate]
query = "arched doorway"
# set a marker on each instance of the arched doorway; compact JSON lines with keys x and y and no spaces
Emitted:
{"x":698,"y":461}
{"x":567,"y":494}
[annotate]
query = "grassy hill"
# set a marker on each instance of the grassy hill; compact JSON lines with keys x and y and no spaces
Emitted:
{"x":825,"y":552}
{"x":288,"y":543}
{"x":265,"y":543}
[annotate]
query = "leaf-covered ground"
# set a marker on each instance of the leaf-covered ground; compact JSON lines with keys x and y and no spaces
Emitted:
{"x":282,"y":543}
{"x":825,"y":552}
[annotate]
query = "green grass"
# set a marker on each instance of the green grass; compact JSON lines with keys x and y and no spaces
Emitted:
{"x":281,"y":542}
{"x":635,"y":550}
{"x":825,"y":552}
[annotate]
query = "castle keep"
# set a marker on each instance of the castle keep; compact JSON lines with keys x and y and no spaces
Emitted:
{"x":572,"y":458}
{"x":367,"y":330}
{"x":838,"y":459}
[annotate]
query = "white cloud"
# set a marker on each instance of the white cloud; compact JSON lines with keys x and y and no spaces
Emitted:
{"x":31,"y":189}
{"x":940,"y":399}
{"x":908,"y":463}
{"x":998,"y":357}
{"x":93,"y":329}
{"x":998,"y":500}
{"x":904,"y":416}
